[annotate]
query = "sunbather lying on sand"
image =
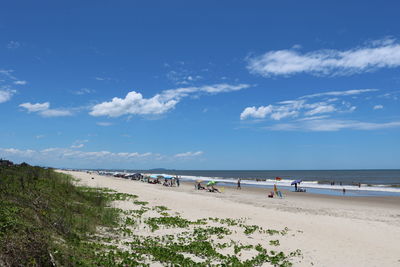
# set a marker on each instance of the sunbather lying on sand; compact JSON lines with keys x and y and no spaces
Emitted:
{"x":213,"y":189}
{"x":200,"y":187}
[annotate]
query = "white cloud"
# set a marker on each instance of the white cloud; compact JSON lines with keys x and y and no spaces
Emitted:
{"x":13,"y":45}
{"x":182,"y":76}
{"x":189,"y":154}
{"x":20,"y":82}
{"x":55,"y":113}
{"x":258,"y":113}
{"x":320,"y":108}
{"x":74,"y":156}
{"x":105,"y":124}
{"x":313,"y":118}
{"x":103,"y":78}
{"x":8,"y":74}
{"x":329,"y":125}
{"x":5,"y":95}
{"x":280,"y":114}
{"x":78,"y":146}
{"x":379,"y":54}
{"x":7,"y":82}
{"x":340,"y":93}
{"x":69,"y":153}
{"x":44,"y":110}
{"x":84,"y":91}
{"x":302,"y":107}
{"x":134,"y":103}
{"x":79,"y":143}
{"x":35,"y":107}
{"x":391,"y":95}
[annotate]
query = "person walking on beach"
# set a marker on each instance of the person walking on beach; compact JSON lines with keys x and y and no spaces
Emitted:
{"x":177,"y":181}
{"x":238,"y":184}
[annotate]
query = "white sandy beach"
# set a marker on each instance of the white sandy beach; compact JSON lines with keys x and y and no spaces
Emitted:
{"x":330,"y":231}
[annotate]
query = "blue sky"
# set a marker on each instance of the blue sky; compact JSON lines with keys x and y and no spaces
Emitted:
{"x":201,"y":84}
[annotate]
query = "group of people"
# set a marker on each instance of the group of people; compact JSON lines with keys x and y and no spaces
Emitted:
{"x":167,"y":182}
{"x":171,"y":182}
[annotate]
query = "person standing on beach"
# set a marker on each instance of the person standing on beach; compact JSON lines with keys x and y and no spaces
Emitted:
{"x":177,"y":181}
{"x":238,"y":184}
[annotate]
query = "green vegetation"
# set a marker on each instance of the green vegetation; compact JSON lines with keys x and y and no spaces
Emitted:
{"x":45,"y":220}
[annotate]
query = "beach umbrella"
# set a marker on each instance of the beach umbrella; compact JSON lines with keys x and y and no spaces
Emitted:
{"x":168,"y":177}
{"x":154,"y":176}
{"x":278,"y":178}
{"x":211,"y":183}
{"x":296,"y":182}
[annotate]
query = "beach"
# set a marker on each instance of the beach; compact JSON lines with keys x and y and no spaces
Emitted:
{"x":329,"y":230}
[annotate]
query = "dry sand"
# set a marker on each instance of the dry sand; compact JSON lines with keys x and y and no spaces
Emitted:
{"x":330,"y":231}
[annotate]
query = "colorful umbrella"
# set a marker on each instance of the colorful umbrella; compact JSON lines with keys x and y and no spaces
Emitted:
{"x":296,"y":182}
{"x":211,"y":183}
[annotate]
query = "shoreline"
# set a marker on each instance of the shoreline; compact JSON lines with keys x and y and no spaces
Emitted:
{"x":327,"y":229}
{"x":313,"y":187}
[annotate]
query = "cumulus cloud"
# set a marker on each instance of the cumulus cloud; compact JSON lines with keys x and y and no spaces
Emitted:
{"x":287,"y":109}
{"x":5,"y":95}
{"x":254,"y":112}
{"x":369,"y":57}
{"x":135,"y":104}
{"x":35,"y":107}
{"x":378,"y":107}
{"x":189,"y":154}
{"x":303,"y":107}
{"x":44,"y":110}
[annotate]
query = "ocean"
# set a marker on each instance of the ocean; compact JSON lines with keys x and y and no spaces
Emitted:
{"x":346,"y":177}
{"x":329,"y":182}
